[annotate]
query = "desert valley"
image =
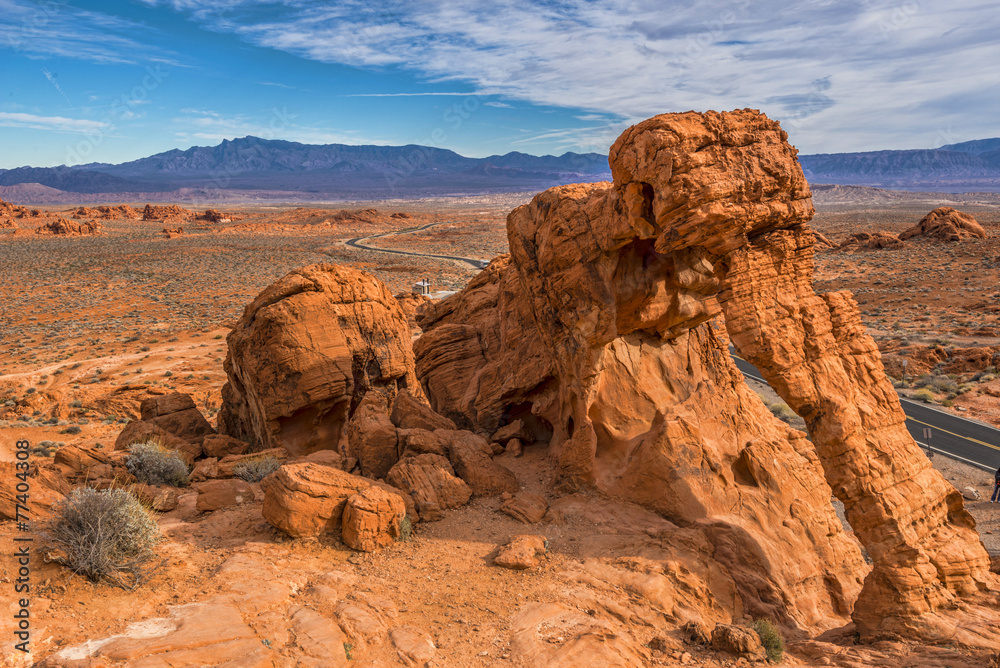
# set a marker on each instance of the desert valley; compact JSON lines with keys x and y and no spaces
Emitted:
{"x":549,"y":460}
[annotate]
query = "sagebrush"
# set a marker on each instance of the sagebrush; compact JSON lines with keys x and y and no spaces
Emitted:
{"x":255,"y":470}
{"x":103,"y":534}
{"x":154,"y":464}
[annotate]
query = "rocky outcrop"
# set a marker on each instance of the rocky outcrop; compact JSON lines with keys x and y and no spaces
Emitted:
{"x":165,"y":213}
{"x":432,"y":483}
{"x":871,"y":240}
{"x":308,"y":499}
{"x":946,"y":224}
{"x":306,"y":352}
{"x":372,"y":519}
{"x":817,"y":356}
{"x":70,"y":228}
{"x":176,"y":413}
{"x":606,"y":333}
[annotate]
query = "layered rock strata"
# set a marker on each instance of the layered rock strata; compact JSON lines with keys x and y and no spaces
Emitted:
{"x":606,"y":331}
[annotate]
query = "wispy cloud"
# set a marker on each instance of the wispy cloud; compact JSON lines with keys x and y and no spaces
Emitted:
{"x":428,"y":94}
{"x":49,"y":29}
{"x":55,"y":123}
{"x":881,"y":61}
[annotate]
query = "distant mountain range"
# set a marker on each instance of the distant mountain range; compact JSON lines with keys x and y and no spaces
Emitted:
{"x":968,"y":166}
{"x":265,"y":168}
{"x":254,"y":164}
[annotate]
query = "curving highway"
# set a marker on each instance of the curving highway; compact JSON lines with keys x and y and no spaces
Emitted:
{"x":358,"y":242}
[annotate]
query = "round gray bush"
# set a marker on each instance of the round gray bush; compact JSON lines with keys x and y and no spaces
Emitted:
{"x":104,"y":534}
{"x":153,"y":464}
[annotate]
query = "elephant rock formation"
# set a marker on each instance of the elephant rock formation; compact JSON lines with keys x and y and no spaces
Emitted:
{"x":606,"y":332}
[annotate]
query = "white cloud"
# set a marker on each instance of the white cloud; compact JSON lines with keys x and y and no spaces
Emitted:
{"x":888,"y":70}
{"x":50,"y":29}
{"x":57,"y":123}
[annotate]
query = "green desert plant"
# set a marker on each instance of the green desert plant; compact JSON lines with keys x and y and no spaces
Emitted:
{"x":255,"y":470}
{"x":924,"y":395}
{"x":771,"y":639}
{"x":103,"y":534}
{"x":405,"y":529}
{"x":154,"y":464}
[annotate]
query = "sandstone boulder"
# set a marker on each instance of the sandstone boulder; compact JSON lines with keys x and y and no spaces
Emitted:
{"x":205,"y":469}
{"x":74,"y":460}
{"x":177,"y":414}
{"x":738,"y":640}
{"x":372,"y":519}
{"x":431,"y":481}
{"x":220,"y":445}
{"x":409,"y":412}
{"x":421,"y":441}
{"x":216,"y":494}
{"x":515,"y":429}
{"x":526,"y":507}
{"x":871,"y":240}
{"x":469,"y":454}
{"x":521,"y":553}
{"x":305,"y":353}
{"x":372,"y":438}
{"x":47,"y":488}
{"x":308,"y":499}
{"x":946,"y":224}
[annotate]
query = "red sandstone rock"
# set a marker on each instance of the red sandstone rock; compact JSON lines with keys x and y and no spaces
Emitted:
{"x":871,"y":240}
{"x":521,"y":552}
{"x":414,"y":646}
{"x":46,"y":488}
{"x":431,"y":481}
{"x":70,"y":228}
{"x":148,"y":432}
{"x":216,"y":494}
{"x":371,"y":437}
{"x":308,"y":499}
{"x":526,"y":507}
{"x":409,"y":412}
{"x":470,"y":455}
{"x":603,"y":327}
{"x":421,"y":441}
{"x":946,"y":224}
{"x":738,"y":640}
{"x":177,"y":414}
{"x":371,"y":519}
{"x":220,"y":445}
{"x":305,"y":353}
{"x":164,"y":213}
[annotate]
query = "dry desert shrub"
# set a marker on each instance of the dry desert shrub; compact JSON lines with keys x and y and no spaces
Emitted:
{"x":255,"y":470}
{"x":104,"y":534}
{"x":154,"y":464}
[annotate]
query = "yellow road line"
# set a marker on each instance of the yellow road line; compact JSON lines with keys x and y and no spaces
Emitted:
{"x":974,"y":440}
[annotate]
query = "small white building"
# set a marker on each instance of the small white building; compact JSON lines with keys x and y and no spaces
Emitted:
{"x":422,"y":288}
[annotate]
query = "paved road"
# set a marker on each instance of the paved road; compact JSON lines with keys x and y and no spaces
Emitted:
{"x":358,"y":242}
{"x":973,"y":442}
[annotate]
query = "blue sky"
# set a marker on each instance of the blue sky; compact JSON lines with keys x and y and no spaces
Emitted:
{"x":109,"y":82}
